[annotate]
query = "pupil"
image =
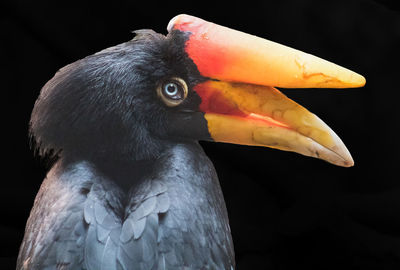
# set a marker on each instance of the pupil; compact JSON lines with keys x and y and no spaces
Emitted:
{"x":171,"y":89}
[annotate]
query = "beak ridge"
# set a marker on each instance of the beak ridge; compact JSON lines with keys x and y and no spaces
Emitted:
{"x":230,"y":55}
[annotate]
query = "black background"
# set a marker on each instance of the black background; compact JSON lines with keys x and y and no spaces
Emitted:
{"x":285,"y":210}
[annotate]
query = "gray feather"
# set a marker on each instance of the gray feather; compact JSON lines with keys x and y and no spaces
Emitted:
{"x":107,"y":259}
{"x":100,"y":213}
{"x":127,"y":231}
{"x":102,"y":234}
{"x":138,"y":227}
{"x":163,"y":203}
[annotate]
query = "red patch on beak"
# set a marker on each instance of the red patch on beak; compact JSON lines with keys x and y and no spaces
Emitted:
{"x":213,"y":101}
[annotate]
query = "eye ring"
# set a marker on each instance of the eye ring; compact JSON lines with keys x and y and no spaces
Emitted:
{"x":173,"y":91}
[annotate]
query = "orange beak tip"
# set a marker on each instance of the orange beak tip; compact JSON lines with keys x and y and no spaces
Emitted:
{"x":361,"y":81}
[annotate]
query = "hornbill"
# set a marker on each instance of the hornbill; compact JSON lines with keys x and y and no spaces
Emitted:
{"x":131,"y":187}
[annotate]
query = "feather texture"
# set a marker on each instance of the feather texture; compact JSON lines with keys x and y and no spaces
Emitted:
{"x":175,"y":218}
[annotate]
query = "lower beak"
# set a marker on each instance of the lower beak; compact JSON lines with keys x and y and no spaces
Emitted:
{"x":263,"y":116}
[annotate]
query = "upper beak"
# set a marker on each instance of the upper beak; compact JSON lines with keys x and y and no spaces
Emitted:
{"x":240,"y":103}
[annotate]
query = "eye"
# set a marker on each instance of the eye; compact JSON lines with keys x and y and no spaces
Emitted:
{"x":173,"y":91}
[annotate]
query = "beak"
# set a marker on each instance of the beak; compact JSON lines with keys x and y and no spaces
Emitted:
{"x":239,"y":102}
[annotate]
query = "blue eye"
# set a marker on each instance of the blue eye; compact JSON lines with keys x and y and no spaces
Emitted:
{"x":173,"y":91}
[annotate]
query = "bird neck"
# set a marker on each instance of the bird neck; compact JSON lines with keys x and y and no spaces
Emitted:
{"x":125,"y":173}
{"x":128,"y":170}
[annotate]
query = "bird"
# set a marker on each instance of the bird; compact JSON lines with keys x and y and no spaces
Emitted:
{"x":131,"y":187}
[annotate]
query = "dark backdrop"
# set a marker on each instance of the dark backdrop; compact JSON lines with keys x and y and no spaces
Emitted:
{"x":285,"y":210}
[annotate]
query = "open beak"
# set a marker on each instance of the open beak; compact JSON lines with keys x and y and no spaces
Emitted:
{"x":239,"y":102}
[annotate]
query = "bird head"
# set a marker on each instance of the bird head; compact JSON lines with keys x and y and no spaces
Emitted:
{"x":200,"y":82}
